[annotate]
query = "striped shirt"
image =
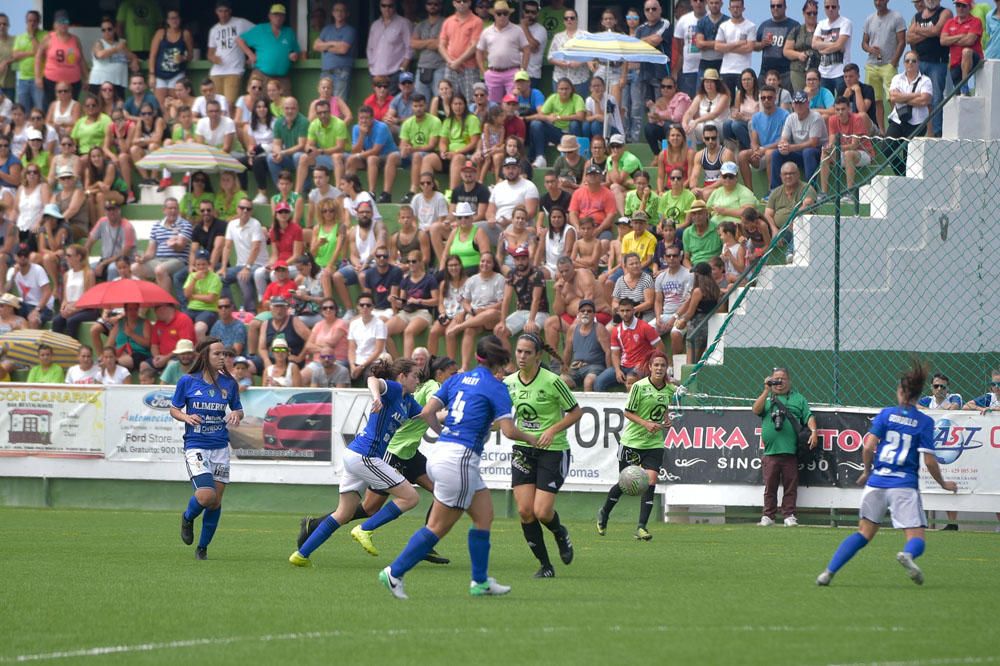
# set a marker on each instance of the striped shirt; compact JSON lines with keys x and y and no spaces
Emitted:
{"x":161,"y":235}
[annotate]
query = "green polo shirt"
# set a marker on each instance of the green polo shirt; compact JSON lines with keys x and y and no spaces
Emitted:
{"x":26,"y":68}
{"x":702,"y":248}
{"x":787,"y":439}
{"x":554,"y":105}
{"x":326,"y":137}
{"x":289,"y":136}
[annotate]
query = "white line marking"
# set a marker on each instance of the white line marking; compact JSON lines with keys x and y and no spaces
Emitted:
{"x":940,"y":661}
{"x":393,"y":633}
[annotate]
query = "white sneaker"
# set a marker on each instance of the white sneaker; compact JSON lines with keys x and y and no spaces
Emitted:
{"x":906,"y":560}
{"x":824,"y":578}
{"x":540,"y":162}
{"x":490,"y":587}
{"x":393,"y":584}
{"x":260,"y":199}
{"x":765,"y":522}
{"x":791,"y":522}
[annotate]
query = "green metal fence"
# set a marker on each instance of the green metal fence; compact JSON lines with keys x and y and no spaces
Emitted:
{"x":903,"y":264}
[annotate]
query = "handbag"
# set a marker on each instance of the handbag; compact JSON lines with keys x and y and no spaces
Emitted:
{"x":802,"y":432}
{"x":904,"y":111}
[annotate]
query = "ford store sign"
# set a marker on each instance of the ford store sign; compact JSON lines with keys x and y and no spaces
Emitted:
{"x":158,"y":399}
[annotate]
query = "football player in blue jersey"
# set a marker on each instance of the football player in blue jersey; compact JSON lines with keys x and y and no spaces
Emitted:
{"x":392,"y":386}
{"x":476,"y":401}
{"x":892,"y":452}
{"x":200,"y":402}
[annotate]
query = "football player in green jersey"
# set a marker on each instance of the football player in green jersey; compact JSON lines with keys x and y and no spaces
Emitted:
{"x":648,"y":414}
{"x":543,"y":406}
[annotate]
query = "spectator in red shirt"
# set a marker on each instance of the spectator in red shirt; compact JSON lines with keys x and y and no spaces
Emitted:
{"x":380,"y":99}
{"x":283,"y":284}
{"x":170,"y":326}
{"x":513,"y":125}
{"x":847,"y":128}
{"x":633,"y":341}
{"x":963,"y":35}
{"x":593,"y":200}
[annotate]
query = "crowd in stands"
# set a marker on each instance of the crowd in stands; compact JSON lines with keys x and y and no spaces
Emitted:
{"x":611,"y":259}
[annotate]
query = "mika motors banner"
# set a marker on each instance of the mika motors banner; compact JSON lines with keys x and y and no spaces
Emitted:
{"x":724,"y":447}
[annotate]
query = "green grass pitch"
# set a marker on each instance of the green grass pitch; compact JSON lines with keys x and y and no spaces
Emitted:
{"x":108,"y":587}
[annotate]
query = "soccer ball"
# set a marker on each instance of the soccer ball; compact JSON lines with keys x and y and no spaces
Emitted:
{"x":633,"y":480}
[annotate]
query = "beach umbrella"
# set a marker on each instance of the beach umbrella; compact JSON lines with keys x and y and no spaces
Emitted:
{"x":190,"y":157}
{"x":609,"y":47}
{"x":21,"y":346}
{"x":120,"y":293}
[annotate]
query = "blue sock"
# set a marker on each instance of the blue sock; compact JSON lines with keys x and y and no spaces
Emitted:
{"x":915,"y":547}
{"x":479,"y":553}
{"x":419,"y":545}
{"x":847,"y":549}
{"x":386,"y":514}
{"x":193,"y":509}
{"x":208,"y":526}
{"x":319,"y":536}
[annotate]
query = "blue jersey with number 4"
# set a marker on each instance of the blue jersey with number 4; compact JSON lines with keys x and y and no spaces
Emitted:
{"x":475,"y":400}
{"x":904,"y":433}
{"x":381,"y":426}
{"x":209,"y":401}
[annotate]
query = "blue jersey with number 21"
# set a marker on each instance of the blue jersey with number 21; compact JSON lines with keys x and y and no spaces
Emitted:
{"x":475,"y":400}
{"x":904,"y":433}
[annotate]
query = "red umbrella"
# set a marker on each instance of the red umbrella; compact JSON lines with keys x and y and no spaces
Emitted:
{"x":119,"y":293}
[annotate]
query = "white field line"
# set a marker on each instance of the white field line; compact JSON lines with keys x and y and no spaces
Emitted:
{"x":390,"y":633}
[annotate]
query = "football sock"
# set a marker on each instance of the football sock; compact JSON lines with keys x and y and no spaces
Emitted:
{"x":847,"y":549}
{"x":208,"y":526}
{"x":554,"y":525}
{"x":319,"y":536}
{"x":359,"y":513}
{"x":613,"y":496}
{"x":915,"y":547}
{"x":536,"y":542}
{"x":193,"y":510}
{"x":479,"y":553}
{"x":646,"y":505}
{"x":389,"y":512}
{"x":421,"y":543}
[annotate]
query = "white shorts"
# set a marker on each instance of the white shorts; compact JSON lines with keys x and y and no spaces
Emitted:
{"x":454,"y":469}
{"x":362,"y":472}
{"x":903,"y":503}
{"x":517,"y":319}
{"x":208,"y":461}
{"x":864,"y":159}
{"x":169,"y":83}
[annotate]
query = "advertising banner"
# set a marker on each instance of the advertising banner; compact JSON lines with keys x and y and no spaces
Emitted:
{"x":278,"y":424}
{"x":724,"y":447}
{"x":51,"y":420}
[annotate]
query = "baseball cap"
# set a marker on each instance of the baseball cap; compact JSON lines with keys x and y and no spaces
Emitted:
{"x":479,"y":85}
{"x":586,"y":302}
{"x":593,"y":168}
{"x":510,"y":97}
{"x":799,"y":97}
{"x":469,"y":165}
{"x":279,"y":300}
{"x":33,"y":135}
{"x":203,"y":254}
{"x":23,"y":250}
{"x":281,"y":263}
{"x":963,"y":2}
{"x":511,"y":161}
{"x":282,"y":207}
{"x":52,"y":210}
{"x":277,"y":9}
{"x":406,"y":77}
{"x":624,"y":220}
{"x":241,"y":360}
{"x":616,"y":140}
{"x":519,"y":251}
{"x":65,"y":172}
{"x":522,"y":75}
{"x":729,"y":169}
{"x":61,"y":16}
{"x":640,"y":216}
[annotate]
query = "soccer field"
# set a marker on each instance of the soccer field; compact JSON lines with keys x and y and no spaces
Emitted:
{"x":121,"y":588}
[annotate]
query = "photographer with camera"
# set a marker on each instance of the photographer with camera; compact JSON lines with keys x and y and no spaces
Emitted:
{"x":783,"y":413}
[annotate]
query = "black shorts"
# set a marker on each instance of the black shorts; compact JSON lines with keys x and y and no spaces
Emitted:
{"x":547,"y":470}
{"x":411,"y":469}
{"x":644,"y":458}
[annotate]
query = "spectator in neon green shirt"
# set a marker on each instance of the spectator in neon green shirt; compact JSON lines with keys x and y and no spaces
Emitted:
{"x":621,"y":167}
{"x":137,"y":21}
{"x":562,"y":113}
{"x":46,"y":372}
{"x":25,"y":45}
{"x":326,"y":140}
{"x":727,"y":202}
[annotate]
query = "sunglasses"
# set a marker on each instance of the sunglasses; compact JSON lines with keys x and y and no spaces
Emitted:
{"x":667,"y":87}
{"x":413,"y":261}
{"x":672,"y":255}
{"x":940,"y":386}
{"x":501,"y":13}
{"x":994,"y":384}
{"x":225,"y":307}
{"x":284,"y":212}
{"x":62,"y":91}
{"x":366,"y":305}
{"x":381,"y":256}
{"x":677,"y":178}
{"x":328,"y":308}
{"x":245,"y":207}
{"x":727,"y":176}
{"x":327,"y":210}
{"x":381,"y":85}
{"x":710,"y":138}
